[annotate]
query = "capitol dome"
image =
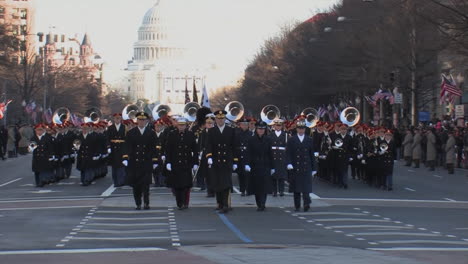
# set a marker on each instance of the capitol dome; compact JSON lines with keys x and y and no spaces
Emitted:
{"x":159,"y":37}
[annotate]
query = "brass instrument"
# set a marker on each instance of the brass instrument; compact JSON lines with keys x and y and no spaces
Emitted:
{"x":312,"y":117}
{"x":350,"y":116}
{"x":77,"y":144}
{"x":383,"y":147}
{"x":235,"y":111}
{"x":160,"y":111}
{"x":269,"y":114}
{"x":338,"y":143}
{"x":32,"y":146}
{"x":93,"y":115}
{"x":61,"y":116}
{"x":129,"y":112}
{"x":190,"y":111}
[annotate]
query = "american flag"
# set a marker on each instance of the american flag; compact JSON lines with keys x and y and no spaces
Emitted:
{"x":383,"y":94}
{"x":3,"y":108}
{"x":449,"y":89}
{"x":187,"y":96}
{"x":371,"y":100}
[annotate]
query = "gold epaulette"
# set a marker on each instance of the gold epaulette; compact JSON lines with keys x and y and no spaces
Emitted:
{"x":125,"y":157}
{"x":117,"y":141}
{"x":155,"y":159}
{"x":158,"y":147}
{"x":236,"y":159}
{"x":209,"y":155}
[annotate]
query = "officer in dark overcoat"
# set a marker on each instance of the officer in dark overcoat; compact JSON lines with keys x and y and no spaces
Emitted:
{"x":260,"y":165}
{"x":88,"y":154}
{"x":43,"y":155}
{"x":279,"y":140}
{"x":204,"y":171}
{"x":115,"y":148}
{"x":181,"y":159}
{"x":387,"y":147}
{"x":161,"y":138}
{"x":140,"y":158}
{"x":221,"y":156}
{"x":243,"y":134}
{"x":301,"y":165}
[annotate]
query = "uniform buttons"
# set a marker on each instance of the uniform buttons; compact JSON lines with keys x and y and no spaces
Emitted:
{"x":224,"y":160}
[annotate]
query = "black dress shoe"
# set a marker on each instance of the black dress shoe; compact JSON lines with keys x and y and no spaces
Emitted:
{"x":225,"y":210}
{"x":306,"y":208}
{"x":243,"y":194}
{"x":281,"y":194}
{"x":138,"y":207}
{"x":297,"y":209}
{"x":275,"y":194}
{"x":146,"y":207}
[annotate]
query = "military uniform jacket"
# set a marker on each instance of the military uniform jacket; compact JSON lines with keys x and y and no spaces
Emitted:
{"x":140,"y":151}
{"x":387,"y":157}
{"x":160,"y":146}
{"x":221,"y":148}
{"x":260,"y":159}
{"x":116,"y":142}
{"x":102,"y":141}
{"x":66,"y":147}
{"x":242,"y":138}
{"x":182,"y":154}
{"x":42,"y":154}
{"x":89,"y":148}
{"x":301,"y":156}
{"x":340,"y":156}
{"x":278,"y":146}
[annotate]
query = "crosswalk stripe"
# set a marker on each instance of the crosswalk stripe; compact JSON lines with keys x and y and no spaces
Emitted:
{"x":395,"y":234}
{"x":131,"y":212}
{"x":350,"y":220}
{"x":130,"y":219}
{"x":332,"y":213}
{"x":120,"y":238}
{"x":126,"y":225}
{"x":423,"y":242}
{"x":105,"y":231}
{"x":369,"y":226}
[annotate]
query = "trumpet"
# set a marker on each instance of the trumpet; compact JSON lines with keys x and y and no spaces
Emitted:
{"x":32,"y":146}
{"x":269,"y":114}
{"x":77,"y":144}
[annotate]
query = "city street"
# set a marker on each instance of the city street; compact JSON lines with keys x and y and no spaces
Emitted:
{"x":422,"y":221}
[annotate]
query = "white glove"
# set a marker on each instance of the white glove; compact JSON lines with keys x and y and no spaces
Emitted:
{"x":210,"y":161}
{"x":272,"y":171}
{"x":316,"y":154}
{"x":30,"y":149}
{"x":125,"y":163}
{"x":52,"y":158}
{"x":163,"y":158}
{"x":234,"y":167}
{"x":247,"y":168}
{"x":314,"y":173}
{"x":290,"y":167}
{"x":350,"y":159}
{"x":155,"y":166}
{"x":363,"y":161}
{"x":359,"y":156}
{"x":169,"y":167}
{"x":67,"y":156}
{"x":96,"y":158}
{"x":109,"y":150}
{"x":195,"y":167}
{"x":62,"y":159}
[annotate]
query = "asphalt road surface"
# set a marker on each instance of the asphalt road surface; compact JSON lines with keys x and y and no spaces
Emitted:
{"x":423,"y":220}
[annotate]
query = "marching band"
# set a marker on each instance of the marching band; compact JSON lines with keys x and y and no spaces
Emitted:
{"x":205,"y":148}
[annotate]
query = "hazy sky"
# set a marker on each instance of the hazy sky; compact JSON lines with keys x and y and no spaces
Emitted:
{"x":228,"y":32}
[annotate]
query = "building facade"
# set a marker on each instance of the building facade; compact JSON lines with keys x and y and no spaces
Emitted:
{"x":160,"y":70}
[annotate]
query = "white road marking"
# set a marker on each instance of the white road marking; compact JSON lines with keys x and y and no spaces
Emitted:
{"x":448,"y":199}
{"x":411,"y":170}
{"x":350,"y":219}
{"x":56,"y":199}
{"x":314,"y":196}
{"x":130,"y":219}
{"x":75,"y":251}
{"x":423,"y":242}
{"x":15,"y":180}
{"x":236,"y":190}
{"x":198,"y":230}
{"x":461,"y":228}
{"x":438,"y":176}
{"x":409,"y":189}
{"x":131,"y":212}
{"x":105,"y":231}
{"x":330,"y":213}
{"x":109,"y":191}
{"x":450,"y":236}
{"x":128,"y":225}
{"x":395,"y":234}
{"x":360,"y":238}
{"x":27,"y":185}
{"x":289,"y":230}
{"x":369,"y":226}
{"x":422,"y":229}
{"x":120,"y":238}
{"x":44,"y":191}
{"x":41,"y":208}
{"x":418,"y":249}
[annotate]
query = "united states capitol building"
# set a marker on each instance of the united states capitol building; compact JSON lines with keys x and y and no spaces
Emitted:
{"x":160,"y":68}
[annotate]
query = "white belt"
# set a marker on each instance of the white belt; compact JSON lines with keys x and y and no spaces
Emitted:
{"x":280,"y":148}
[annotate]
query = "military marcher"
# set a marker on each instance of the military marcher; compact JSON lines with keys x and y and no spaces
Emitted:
{"x":450,"y":158}
{"x":115,"y":148}
{"x":260,"y":165}
{"x":43,"y":155}
{"x":301,"y":164}
{"x":140,"y":158}
{"x":324,"y":166}
{"x":57,"y":139}
{"x":340,"y":158}
{"x":359,"y":143}
{"x":387,"y":159}
{"x":161,"y":138}
{"x":181,"y":159}
{"x":416,"y":146}
{"x":370,"y":159}
{"x":67,"y":149}
{"x":408,"y":147}
{"x":431,"y":151}
{"x":221,"y":156}
{"x":88,"y":154}
{"x":243,"y":135}
{"x":204,"y":171}
{"x":279,"y":141}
